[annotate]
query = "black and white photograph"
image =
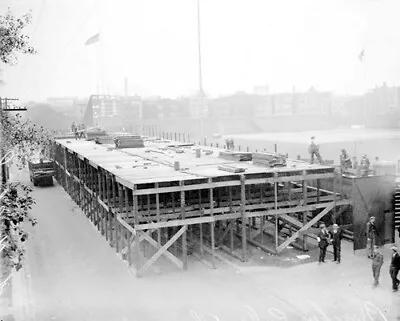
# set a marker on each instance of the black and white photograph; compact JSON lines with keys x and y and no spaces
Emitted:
{"x":199,"y":160}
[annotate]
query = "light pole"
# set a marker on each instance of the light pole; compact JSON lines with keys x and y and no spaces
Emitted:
{"x":201,"y":90}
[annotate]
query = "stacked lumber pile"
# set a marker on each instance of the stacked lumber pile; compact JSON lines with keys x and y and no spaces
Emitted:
{"x":231,"y":169}
{"x":269,"y":159}
{"x":104,"y":140}
{"x":91,"y":134}
{"x":235,"y":156}
{"x":132,"y":141}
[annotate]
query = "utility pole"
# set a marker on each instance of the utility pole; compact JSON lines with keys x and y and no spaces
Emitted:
{"x":4,"y":107}
{"x":202,"y":103}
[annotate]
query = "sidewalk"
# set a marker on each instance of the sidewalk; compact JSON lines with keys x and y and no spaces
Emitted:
{"x":72,"y":274}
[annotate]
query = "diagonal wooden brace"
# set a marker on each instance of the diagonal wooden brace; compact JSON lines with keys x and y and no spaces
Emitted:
{"x":306,"y":227}
{"x":227,"y":230}
{"x":162,"y":250}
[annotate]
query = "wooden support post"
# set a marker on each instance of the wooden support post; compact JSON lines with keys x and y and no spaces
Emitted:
{"x":108,"y":213}
{"x":277,"y":216}
{"x":262,"y":218}
{"x":201,"y":225}
{"x":305,"y":214}
{"x":318,"y":189}
{"x":136,"y":218}
{"x":334,"y":197}
{"x":230,"y":211}
{"x":158,"y":215}
{"x":243,"y":213}
{"x":99,"y":207}
{"x":184,"y":235}
{"x":212,"y":224}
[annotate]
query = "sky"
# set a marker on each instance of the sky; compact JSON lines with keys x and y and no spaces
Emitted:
{"x":283,"y":44}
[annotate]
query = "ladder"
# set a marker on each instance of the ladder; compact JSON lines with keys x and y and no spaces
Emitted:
{"x":397,"y":206}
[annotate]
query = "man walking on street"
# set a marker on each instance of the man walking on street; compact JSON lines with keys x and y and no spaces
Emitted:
{"x":372,"y":234}
{"x":336,"y":236}
{"x":394,"y":269}
{"x":377,"y":262}
{"x":323,"y":242}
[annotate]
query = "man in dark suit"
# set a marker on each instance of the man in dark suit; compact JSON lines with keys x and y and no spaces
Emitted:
{"x":336,"y":236}
{"x":372,"y":235}
{"x":323,"y":242}
{"x":394,"y":269}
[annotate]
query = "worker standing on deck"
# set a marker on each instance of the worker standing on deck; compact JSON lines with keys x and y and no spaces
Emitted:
{"x":394,"y":269}
{"x":345,"y":161}
{"x":313,"y":149}
{"x":372,"y":234}
{"x":377,"y":263}
{"x":323,"y":242}
{"x":336,"y":236}
{"x":73,"y":127}
{"x":364,"y":165}
{"x":355,"y":162}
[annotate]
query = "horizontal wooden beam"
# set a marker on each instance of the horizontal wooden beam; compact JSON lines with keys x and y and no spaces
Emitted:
{"x":249,"y":181}
{"x":215,"y":218}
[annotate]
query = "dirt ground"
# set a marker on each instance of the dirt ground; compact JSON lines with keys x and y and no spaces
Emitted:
{"x":73,"y":274}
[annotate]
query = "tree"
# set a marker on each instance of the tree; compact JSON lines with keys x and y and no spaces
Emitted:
{"x":22,"y":140}
{"x":12,"y":39}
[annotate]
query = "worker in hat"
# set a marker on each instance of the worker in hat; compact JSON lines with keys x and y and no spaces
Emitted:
{"x":372,"y":235}
{"x":323,"y":242}
{"x":365,"y":165}
{"x":394,"y":269}
{"x":377,"y":263}
{"x":345,"y":161}
{"x":313,"y":149}
{"x":336,"y":237}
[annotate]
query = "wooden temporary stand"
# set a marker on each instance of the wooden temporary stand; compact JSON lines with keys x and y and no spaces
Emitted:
{"x":138,"y":200}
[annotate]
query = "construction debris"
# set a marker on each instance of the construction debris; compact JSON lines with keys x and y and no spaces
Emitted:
{"x":231,"y":169}
{"x":132,"y":141}
{"x":269,"y":159}
{"x":236,"y":156}
{"x":92,"y":134}
{"x":104,"y":140}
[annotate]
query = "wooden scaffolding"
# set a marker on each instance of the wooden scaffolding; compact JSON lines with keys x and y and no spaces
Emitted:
{"x":136,"y":196}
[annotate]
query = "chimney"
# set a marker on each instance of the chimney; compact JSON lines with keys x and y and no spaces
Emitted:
{"x":126,"y":87}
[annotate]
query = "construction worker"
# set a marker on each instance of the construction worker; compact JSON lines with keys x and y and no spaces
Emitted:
{"x":230,"y":144}
{"x":313,"y":149}
{"x":394,"y":269}
{"x":323,"y":242}
{"x":73,"y":127}
{"x":364,"y":165}
{"x":336,"y":236}
{"x":355,"y":163}
{"x":372,"y":234}
{"x":377,"y":262}
{"x":345,"y":161}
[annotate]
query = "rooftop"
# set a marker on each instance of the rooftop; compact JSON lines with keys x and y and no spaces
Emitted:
{"x":155,"y":163}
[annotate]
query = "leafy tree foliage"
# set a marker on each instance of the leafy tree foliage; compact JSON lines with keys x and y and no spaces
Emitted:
{"x":21,"y":139}
{"x":24,"y":139}
{"x":12,"y":38}
{"x":15,"y":206}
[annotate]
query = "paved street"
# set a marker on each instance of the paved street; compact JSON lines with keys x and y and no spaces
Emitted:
{"x":73,"y":274}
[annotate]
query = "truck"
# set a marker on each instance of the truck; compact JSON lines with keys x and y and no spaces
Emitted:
{"x":41,"y":172}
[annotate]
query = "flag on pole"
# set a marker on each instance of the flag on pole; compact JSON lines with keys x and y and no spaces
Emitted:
{"x":361,"y":55}
{"x":92,"y":40}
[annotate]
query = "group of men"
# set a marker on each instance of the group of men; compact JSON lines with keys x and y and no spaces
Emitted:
{"x":334,"y":237}
{"x":346,"y":163}
{"x":78,"y":130}
{"x":325,"y":238}
{"x":345,"y":160}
